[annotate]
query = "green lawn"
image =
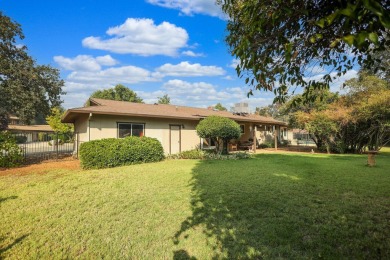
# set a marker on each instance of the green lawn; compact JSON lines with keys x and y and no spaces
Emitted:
{"x":273,"y":206}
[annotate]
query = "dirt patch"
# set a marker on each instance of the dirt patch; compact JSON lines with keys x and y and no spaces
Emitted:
{"x":43,"y":167}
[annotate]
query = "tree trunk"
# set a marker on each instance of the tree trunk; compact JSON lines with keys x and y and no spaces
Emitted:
{"x":225,"y":146}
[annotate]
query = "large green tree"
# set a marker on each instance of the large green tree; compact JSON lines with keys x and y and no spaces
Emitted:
{"x":119,"y":92}
{"x":220,"y":129}
{"x":27,"y":90}
{"x":277,"y":42}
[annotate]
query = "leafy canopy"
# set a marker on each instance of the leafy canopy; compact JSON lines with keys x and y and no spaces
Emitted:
{"x":353,"y":122}
{"x":27,"y":90}
{"x":119,"y":93}
{"x":277,"y":42}
{"x":220,"y":107}
{"x":219,"y":129}
{"x":54,"y":120}
{"x":164,"y":99}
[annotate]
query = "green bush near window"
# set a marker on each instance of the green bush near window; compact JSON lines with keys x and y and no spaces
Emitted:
{"x":112,"y":152}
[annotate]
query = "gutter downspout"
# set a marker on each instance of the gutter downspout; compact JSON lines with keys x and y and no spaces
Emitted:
{"x":89,"y":126}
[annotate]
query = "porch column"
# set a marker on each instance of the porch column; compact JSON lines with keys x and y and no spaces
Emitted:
{"x":276,"y":132}
{"x":254,"y":138}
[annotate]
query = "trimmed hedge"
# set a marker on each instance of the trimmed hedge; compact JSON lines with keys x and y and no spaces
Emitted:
{"x":112,"y":152}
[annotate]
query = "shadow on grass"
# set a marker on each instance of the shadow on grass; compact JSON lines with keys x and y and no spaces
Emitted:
{"x":15,"y":242}
{"x":8,"y":198}
{"x":284,"y":206}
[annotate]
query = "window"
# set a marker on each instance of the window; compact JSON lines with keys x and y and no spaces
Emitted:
{"x":130,"y":129}
{"x":242,"y":129}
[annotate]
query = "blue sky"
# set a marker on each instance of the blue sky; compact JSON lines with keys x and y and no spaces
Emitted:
{"x":154,"y":47}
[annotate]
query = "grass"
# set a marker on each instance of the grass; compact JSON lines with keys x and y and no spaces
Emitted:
{"x":273,"y":206}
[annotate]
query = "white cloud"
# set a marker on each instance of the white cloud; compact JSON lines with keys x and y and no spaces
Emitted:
{"x":186,"y":69}
{"x":203,"y":94}
{"x":125,"y":74}
{"x":191,"y":7}
{"x":85,"y":62}
{"x":141,"y":37}
{"x":192,"y":54}
{"x":234,"y":63}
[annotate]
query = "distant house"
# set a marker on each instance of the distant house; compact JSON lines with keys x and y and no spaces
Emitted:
{"x":30,"y":132}
{"x":174,"y":126}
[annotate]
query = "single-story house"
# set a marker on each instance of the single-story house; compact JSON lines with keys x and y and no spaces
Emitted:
{"x":174,"y":126}
{"x":30,"y":132}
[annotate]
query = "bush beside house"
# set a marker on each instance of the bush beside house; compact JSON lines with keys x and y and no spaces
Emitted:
{"x":112,"y":152}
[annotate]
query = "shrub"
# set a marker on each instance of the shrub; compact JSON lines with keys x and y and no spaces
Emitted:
{"x":21,"y":139}
{"x":112,"y":152}
{"x":265,"y":145}
{"x":209,"y":155}
{"x":233,"y":156}
{"x":191,"y":154}
{"x":10,"y":152}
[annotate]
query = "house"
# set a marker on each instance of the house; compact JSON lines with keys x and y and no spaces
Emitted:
{"x":174,"y":126}
{"x":27,"y":133}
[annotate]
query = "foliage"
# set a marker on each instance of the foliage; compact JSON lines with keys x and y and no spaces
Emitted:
{"x":233,"y":156}
{"x":26,"y":89}
{"x":278,"y":43}
{"x":219,"y":128}
{"x":190,"y":154}
{"x":164,"y":99}
{"x":352,"y":122}
{"x":119,"y":93}
{"x":10,"y":153}
{"x":20,"y":139}
{"x":219,"y":107}
{"x":54,"y":120}
{"x":199,"y":154}
{"x":112,"y":152}
{"x":321,"y":126}
{"x":382,"y":61}
{"x":4,"y":118}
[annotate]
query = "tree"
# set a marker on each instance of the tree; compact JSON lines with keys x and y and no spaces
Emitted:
{"x":119,"y":92}
{"x":54,"y":120}
{"x":353,"y":122}
{"x":219,"y":129}
{"x":164,"y":99}
{"x":219,"y":107}
{"x":26,"y":89}
{"x":277,"y":42}
{"x":381,"y":60}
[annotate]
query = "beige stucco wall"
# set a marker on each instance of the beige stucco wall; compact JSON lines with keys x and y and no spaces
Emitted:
{"x":105,"y":126}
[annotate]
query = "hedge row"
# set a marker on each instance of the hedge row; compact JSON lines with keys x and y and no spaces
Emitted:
{"x":112,"y":152}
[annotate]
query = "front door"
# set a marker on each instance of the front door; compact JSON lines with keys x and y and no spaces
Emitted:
{"x":175,"y":139}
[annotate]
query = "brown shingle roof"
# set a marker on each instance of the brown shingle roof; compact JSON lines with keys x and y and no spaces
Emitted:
{"x":111,"y":107}
{"x":34,"y":128}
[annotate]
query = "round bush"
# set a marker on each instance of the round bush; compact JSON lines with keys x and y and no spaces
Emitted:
{"x":112,"y":152}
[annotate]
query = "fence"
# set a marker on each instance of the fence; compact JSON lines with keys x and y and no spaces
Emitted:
{"x":38,"y":146}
